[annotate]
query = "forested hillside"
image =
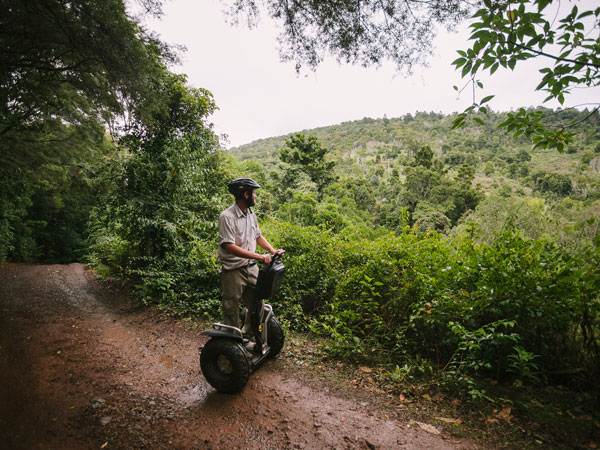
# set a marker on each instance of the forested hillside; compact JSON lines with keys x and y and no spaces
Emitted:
{"x":384,"y":159}
{"x":371,"y":142}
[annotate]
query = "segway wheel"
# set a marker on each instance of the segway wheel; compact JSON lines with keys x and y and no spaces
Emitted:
{"x":225,"y":365}
{"x":276,"y":337}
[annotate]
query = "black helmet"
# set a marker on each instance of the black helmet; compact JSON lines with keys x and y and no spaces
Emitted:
{"x":240,"y":185}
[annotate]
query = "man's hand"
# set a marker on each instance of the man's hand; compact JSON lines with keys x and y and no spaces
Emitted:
{"x":266,"y":258}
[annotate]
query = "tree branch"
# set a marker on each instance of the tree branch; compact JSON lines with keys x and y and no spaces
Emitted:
{"x":548,"y":55}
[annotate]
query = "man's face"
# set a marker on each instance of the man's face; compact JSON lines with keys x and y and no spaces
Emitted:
{"x":250,"y":197}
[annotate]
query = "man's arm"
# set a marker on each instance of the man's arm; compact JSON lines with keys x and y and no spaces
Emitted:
{"x":239,"y":251}
{"x":262,"y":241}
{"x":265,"y":245}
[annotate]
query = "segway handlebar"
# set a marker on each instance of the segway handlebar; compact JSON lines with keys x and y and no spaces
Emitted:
{"x":270,"y":277}
{"x":275,"y":256}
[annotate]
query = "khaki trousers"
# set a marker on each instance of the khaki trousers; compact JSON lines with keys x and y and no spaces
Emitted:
{"x":238,"y":285}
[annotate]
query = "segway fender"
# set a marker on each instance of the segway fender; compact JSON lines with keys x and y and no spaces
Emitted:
{"x":224,"y":332}
{"x":221,"y":334}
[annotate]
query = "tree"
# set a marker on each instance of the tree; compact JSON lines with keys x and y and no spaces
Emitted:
{"x":554,"y":183}
{"x":165,"y":189}
{"x":67,"y":69}
{"x":466,"y":174}
{"x":505,"y":33}
{"x":424,"y":157}
{"x":72,"y":60}
{"x":364,"y":32}
{"x":306,"y":154}
{"x":418,"y":184}
{"x":427,"y":218}
{"x":157,"y":218}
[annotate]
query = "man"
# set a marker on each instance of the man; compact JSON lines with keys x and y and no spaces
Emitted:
{"x":238,"y":235}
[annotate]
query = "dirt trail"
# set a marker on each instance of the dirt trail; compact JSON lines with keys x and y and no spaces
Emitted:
{"x":81,"y":369}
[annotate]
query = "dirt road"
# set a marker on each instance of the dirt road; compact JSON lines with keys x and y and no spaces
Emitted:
{"x":79,"y":368}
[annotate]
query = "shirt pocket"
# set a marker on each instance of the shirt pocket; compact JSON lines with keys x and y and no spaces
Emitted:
{"x":255,"y":231}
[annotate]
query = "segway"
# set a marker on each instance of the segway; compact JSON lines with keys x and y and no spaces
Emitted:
{"x":228,"y":358}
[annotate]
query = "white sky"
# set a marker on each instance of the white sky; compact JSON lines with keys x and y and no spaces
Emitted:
{"x":258,"y":96}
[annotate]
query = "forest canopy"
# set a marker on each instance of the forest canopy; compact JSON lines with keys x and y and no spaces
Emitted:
{"x":76,"y":77}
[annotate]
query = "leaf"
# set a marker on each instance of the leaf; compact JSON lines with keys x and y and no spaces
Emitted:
{"x":466,"y":69}
{"x":449,"y":420}
{"x":459,"y":122}
{"x":459,"y":62}
{"x":104,"y":445}
{"x":429,"y":428}
{"x":505,"y":414}
{"x":486,"y":99}
{"x":585,"y":14}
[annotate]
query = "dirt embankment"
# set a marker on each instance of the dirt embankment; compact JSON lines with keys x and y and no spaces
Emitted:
{"x":81,"y":368}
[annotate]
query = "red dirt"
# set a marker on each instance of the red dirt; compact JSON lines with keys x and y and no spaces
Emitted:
{"x":81,"y":368}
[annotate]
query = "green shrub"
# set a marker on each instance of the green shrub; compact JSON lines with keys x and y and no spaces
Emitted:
{"x":471,"y":309}
{"x":310,"y":274}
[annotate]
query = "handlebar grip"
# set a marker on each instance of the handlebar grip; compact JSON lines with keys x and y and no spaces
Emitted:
{"x":276,"y":256}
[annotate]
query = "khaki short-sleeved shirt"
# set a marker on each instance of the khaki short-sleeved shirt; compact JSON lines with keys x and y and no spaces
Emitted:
{"x":240,"y":229}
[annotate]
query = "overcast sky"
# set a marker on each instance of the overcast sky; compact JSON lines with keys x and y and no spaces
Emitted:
{"x":259,"y":96}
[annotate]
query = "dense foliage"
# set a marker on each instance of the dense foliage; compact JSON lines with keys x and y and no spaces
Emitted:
{"x":67,"y":72}
{"x":399,"y":171}
{"x":459,"y":307}
{"x":156,"y":219}
{"x":105,"y":153}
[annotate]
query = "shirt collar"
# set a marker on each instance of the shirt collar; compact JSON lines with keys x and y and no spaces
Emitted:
{"x":239,"y":212}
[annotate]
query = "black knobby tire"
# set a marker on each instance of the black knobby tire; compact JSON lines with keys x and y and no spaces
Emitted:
{"x":276,"y":337}
{"x":225,"y":365}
